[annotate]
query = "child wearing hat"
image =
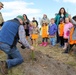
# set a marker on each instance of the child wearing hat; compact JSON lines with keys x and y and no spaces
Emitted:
{"x":61,"y":32}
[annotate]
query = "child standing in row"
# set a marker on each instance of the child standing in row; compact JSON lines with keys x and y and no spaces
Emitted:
{"x":68,"y":25}
{"x":61,"y":32}
{"x":52,"y":31}
{"x":34,"y":34}
{"x":72,"y":37}
{"x":30,"y":31}
{"x":44,"y":34}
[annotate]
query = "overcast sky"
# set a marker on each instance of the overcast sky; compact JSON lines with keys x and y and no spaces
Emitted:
{"x":36,"y":8}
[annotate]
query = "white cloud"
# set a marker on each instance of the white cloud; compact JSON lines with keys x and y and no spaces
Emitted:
{"x":18,"y":7}
{"x":71,"y":1}
{"x":56,"y":0}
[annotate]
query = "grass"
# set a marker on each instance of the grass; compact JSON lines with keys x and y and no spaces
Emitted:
{"x":72,"y":63}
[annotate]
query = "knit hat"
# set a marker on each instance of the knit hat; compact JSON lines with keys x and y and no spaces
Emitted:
{"x":1,"y":4}
{"x":21,"y":17}
{"x":61,"y":19}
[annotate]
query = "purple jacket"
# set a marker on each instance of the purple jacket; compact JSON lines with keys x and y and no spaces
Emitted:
{"x":52,"y":29}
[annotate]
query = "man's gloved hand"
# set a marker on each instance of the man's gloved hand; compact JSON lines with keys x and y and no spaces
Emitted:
{"x":23,"y":47}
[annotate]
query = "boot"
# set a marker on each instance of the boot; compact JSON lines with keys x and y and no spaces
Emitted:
{"x":65,"y":46}
{"x":42,"y":44}
{"x":3,"y":67}
{"x":45,"y":44}
{"x":69,"y":49}
{"x":66,"y":51}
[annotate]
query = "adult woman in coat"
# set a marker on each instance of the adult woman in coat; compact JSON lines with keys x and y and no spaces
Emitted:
{"x":62,"y":14}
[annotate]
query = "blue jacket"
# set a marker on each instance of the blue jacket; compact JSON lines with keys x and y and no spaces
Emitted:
{"x":52,"y":29}
{"x":9,"y":32}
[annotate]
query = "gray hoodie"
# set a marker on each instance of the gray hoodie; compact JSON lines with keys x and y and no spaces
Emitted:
{"x":74,"y":33}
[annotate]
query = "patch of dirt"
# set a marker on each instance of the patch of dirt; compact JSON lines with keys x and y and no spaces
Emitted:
{"x":47,"y":61}
{"x":42,"y":65}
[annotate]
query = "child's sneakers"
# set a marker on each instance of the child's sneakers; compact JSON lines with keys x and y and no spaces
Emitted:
{"x":42,"y":44}
{"x":64,"y":48}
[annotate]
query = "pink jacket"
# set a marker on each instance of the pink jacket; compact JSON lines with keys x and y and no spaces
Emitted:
{"x":67,"y":28}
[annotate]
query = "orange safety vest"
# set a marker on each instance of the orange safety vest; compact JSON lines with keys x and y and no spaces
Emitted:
{"x":71,"y":41}
{"x":61,"y":29}
{"x":44,"y":31}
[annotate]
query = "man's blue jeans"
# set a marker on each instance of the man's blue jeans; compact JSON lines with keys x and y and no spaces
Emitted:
{"x":53,"y":41}
{"x":14,"y":56}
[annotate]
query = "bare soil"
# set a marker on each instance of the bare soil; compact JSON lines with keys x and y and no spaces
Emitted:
{"x":47,"y":61}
